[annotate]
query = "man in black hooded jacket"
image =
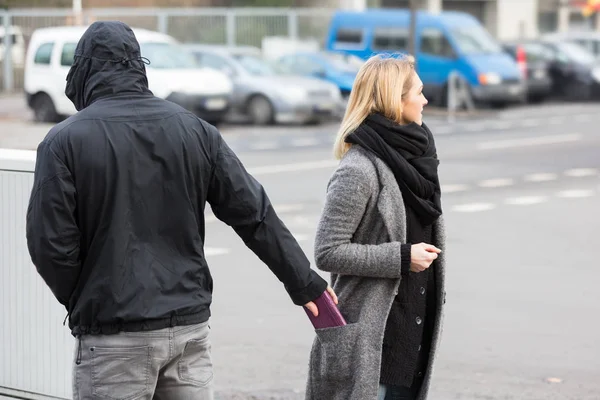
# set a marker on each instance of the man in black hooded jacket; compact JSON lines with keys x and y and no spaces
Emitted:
{"x":115,"y":227}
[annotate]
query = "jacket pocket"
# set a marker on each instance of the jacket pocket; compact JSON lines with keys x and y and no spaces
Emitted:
{"x":339,"y":352}
{"x":120,"y":373}
{"x":195,"y":366}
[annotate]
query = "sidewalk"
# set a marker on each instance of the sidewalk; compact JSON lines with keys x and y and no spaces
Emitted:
{"x":14,"y":107}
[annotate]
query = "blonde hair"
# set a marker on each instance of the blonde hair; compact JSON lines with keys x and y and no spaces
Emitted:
{"x":379,"y":87}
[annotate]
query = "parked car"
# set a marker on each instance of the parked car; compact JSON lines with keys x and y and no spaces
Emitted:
{"x":172,"y":74}
{"x":575,"y":72}
{"x":266,"y":94}
{"x":589,"y":40}
{"x":446,"y":42}
{"x":537,"y":60}
{"x":337,"y":68}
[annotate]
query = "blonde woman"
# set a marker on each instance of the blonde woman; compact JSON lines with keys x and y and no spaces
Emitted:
{"x":380,"y":236}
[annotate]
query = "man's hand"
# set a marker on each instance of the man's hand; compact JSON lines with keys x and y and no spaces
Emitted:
{"x":422,"y":255}
{"x":313,"y":307}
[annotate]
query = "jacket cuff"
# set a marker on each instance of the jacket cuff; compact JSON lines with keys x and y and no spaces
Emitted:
{"x":311,"y":292}
{"x":405,"y":253}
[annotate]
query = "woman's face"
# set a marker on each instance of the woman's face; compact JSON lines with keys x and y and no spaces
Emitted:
{"x":413,"y":103}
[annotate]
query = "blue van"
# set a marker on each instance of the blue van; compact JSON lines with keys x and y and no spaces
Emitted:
{"x":445,"y":42}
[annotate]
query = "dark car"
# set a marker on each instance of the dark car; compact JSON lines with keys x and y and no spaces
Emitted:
{"x":575,"y":72}
{"x":535,"y":59}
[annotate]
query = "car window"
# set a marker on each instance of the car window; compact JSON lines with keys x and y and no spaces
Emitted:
{"x":474,"y":39}
{"x":13,"y":39}
{"x":43,"y":55}
{"x":305,"y":66}
{"x":390,"y":39}
{"x":434,"y":42}
{"x":537,"y":52}
{"x":68,"y":54}
{"x":167,"y":56}
{"x":214,"y":61}
{"x":348,"y":37}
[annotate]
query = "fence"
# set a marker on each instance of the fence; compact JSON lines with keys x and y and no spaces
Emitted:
{"x":227,"y":26}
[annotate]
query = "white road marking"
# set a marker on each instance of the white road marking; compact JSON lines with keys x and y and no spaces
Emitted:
{"x":533,"y":141}
{"x":575,"y":193}
{"x":215,"y":251}
{"x":453,"y":188}
{"x":494,"y":183}
{"x":526,"y":200}
{"x":305,"y":166}
{"x":581,"y":172}
{"x":304,"y":142}
{"x":285,"y":208}
{"x":264,"y":145}
{"x":540,"y":177}
{"x":300,"y":237}
{"x":473,"y":207}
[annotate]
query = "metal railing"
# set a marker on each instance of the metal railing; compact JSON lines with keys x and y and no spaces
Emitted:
{"x":227,"y":26}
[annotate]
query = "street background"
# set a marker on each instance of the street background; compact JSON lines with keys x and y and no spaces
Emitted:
{"x":520,"y":174}
{"x":520,"y":193}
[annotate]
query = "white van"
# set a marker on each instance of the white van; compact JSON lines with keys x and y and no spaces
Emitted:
{"x":17,"y":44}
{"x":172,"y":74}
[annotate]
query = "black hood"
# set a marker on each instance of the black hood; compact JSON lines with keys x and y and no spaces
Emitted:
{"x":107,"y":62}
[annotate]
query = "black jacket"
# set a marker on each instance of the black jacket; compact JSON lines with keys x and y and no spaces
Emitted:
{"x":115,"y":224}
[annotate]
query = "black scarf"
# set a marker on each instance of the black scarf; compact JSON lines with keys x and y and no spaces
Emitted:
{"x":409,"y":150}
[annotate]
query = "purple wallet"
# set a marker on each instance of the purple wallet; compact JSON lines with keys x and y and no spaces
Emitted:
{"x":329,"y":314}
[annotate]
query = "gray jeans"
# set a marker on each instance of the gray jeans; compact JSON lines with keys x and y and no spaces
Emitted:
{"x":172,"y":363}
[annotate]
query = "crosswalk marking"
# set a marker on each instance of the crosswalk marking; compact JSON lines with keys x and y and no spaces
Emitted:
{"x":581,"y":172}
{"x":526,"y":200}
{"x":540,"y":177}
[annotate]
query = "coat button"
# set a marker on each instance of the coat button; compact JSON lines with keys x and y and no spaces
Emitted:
{"x":419,"y":347}
{"x":420,"y":374}
{"x":422,"y":290}
{"x":418,"y":320}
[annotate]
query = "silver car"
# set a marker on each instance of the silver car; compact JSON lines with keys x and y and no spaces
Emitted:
{"x":264,"y":93}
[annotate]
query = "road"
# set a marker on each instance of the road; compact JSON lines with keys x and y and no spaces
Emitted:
{"x":521,"y":190}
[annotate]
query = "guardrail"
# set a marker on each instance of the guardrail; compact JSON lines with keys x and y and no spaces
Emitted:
{"x":36,"y":350}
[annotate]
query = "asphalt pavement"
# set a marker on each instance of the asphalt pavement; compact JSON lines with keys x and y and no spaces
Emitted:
{"x":521,"y":189}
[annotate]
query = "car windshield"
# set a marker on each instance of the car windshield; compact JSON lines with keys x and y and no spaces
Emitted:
{"x":167,"y":56}
{"x":474,"y":40}
{"x":575,"y":52}
{"x":343,"y":62}
{"x":255,"y":65}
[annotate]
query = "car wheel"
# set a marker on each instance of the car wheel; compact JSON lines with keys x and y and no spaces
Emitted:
{"x":260,"y":110}
{"x":43,"y":109}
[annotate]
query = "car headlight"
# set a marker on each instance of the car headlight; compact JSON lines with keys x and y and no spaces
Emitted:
{"x":293,"y":94}
{"x":491,"y":78}
{"x":596,"y":74}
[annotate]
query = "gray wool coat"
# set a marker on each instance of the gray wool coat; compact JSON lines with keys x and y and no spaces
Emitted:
{"x":358,"y":240}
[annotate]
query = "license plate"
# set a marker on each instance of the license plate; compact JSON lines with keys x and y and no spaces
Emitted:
{"x":514,"y":89}
{"x":215,"y":104}
{"x":539,"y":74}
{"x":324,"y":107}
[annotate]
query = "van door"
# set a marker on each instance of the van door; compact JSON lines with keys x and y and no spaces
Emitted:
{"x":436,"y":58}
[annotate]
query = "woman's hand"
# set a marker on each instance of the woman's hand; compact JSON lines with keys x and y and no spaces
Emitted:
{"x":422,"y":255}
